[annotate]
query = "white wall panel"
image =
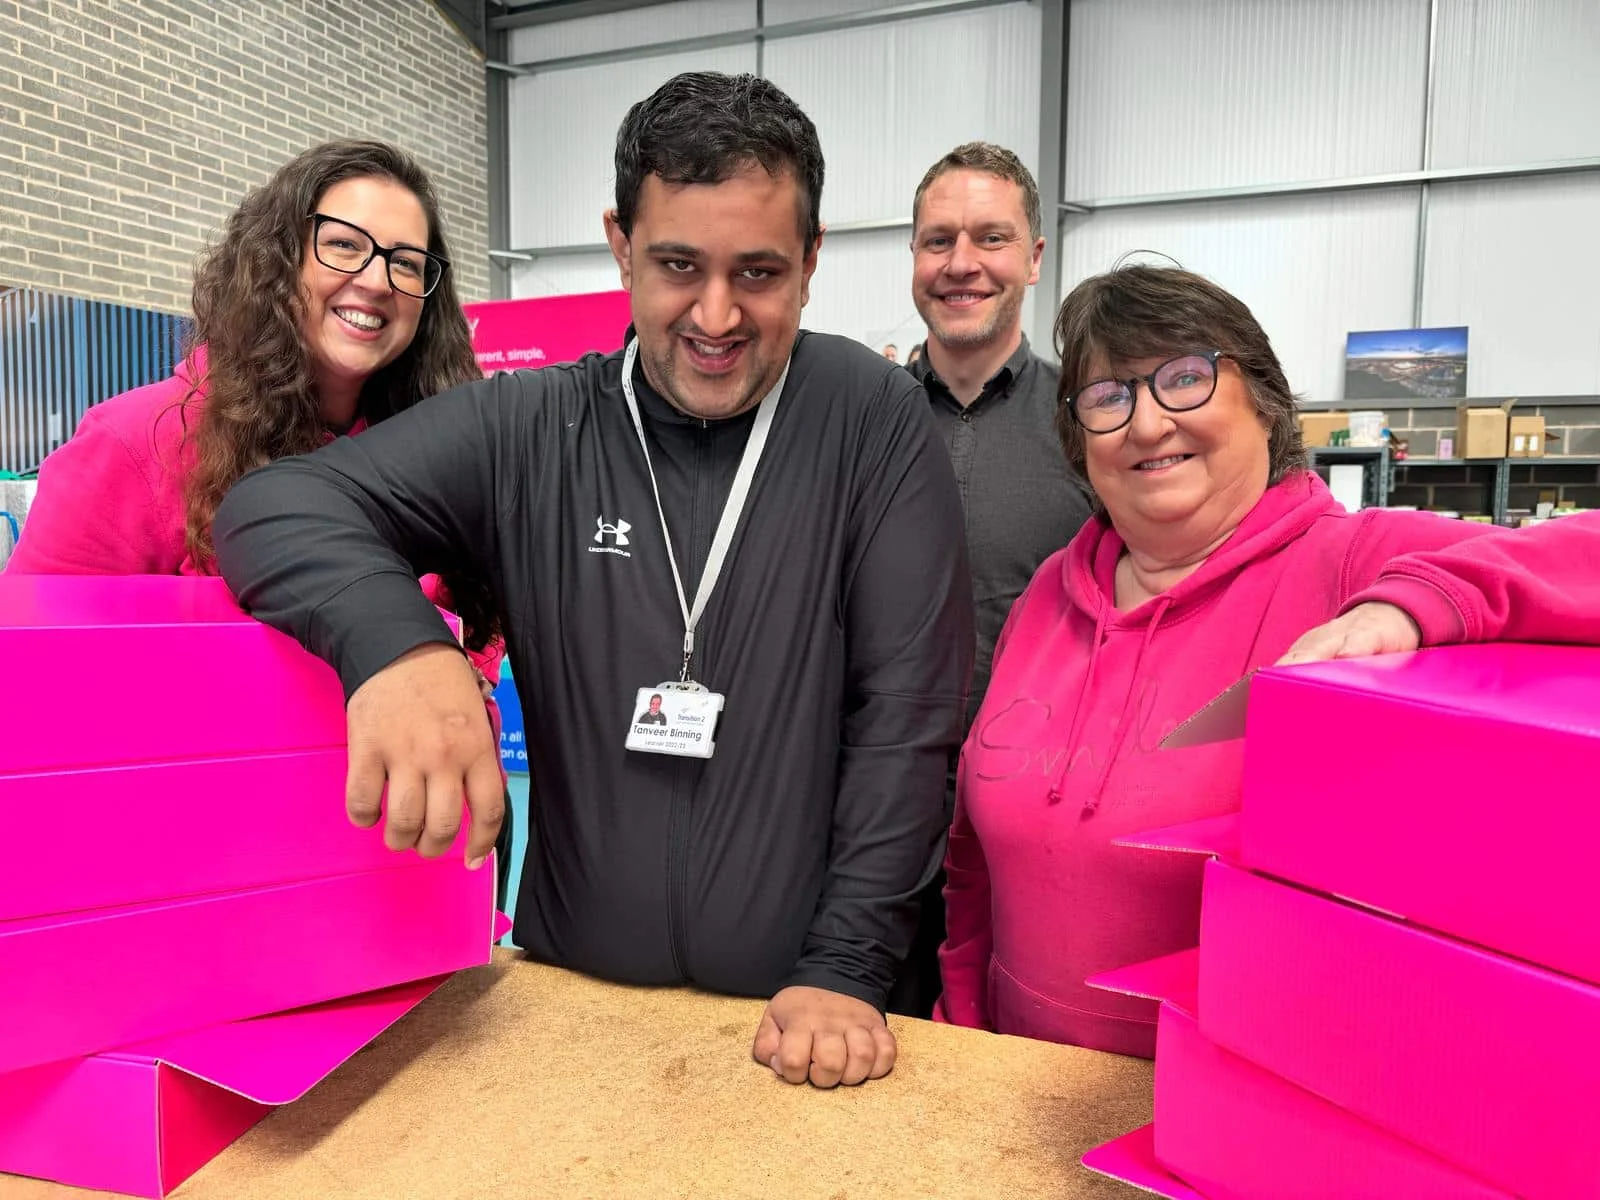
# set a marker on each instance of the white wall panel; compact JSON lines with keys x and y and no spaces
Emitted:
{"x":565,"y":275}
{"x":1311,"y":268}
{"x":889,"y":100}
{"x":635,"y":27}
{"x":562,"y":132}
{"x":1176,"y":95}
{"x":862,"y":289}
{"x":781,"y":12}
{"x":1516,"y":82}
{"x":1516,"y":262}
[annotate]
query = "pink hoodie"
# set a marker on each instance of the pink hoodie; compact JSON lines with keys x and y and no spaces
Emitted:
{"x":1063,"y":755}
{"x":110,"y":500}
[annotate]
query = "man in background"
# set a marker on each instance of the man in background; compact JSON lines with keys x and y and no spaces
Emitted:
{"x":976,"y":242}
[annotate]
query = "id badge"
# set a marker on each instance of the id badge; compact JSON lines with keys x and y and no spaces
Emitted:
{"x":675,"y":718}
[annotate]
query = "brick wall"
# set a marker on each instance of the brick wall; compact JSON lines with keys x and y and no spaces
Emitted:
{"x":129,"y":129}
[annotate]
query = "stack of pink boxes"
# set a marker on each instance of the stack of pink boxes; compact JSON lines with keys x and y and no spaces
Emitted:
{"x":179,"y":883}
{"x":1395,"y":992}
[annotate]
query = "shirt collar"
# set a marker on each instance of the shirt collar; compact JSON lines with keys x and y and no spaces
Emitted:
{"x":998,"y":384}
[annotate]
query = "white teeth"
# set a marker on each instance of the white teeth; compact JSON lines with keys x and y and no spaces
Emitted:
{"x":360,"y":320}
{"x":711,"y":351}
{"x":961,"y":297}
{"x":1155,"y":464}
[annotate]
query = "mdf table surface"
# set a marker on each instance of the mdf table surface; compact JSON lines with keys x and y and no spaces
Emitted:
{"x":523,"y":1080}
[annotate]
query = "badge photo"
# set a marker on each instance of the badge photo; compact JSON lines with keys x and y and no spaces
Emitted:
{"x":673,"y":719}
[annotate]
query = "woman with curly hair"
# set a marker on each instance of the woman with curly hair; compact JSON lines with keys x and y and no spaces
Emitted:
{"x":326,"y":306}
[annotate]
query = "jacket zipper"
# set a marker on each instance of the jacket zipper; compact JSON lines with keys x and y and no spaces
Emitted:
{"x":683,"y":777}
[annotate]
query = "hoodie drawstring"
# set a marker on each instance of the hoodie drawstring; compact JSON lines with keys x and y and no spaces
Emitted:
{"x":1081,"y":709}
{"x":1126,"y":720}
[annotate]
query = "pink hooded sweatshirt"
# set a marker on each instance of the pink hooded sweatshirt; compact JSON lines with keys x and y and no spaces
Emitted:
{"x":1063,"y":755}
{"x":110,"y":500}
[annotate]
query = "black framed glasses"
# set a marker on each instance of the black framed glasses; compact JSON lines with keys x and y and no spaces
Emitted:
{"x":341,"y":246}
{"x":1181,"y":384}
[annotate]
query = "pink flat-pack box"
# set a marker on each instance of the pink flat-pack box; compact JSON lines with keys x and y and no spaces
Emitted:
{"x":153,"y":669}
{"x":142,"y":1119}
{"x":1487,"y":1062}
{"x":160,"y":831}
{"x":1238,"y":1132}
{"x":1421,"y":808}
{"x":1131,"y":1159}
{"x":82,"y":983}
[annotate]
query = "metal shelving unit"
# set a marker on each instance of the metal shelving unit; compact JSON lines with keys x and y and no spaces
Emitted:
{"x":1377,"y":479}
{"x":1501,"y":470}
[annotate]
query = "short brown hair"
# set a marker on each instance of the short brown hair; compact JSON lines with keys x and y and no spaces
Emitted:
{"x":1142,"y":311}
{"x":991,"y":160}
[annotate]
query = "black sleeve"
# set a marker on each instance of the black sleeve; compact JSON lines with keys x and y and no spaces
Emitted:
{"x":328,"y":546}
{"x":909,"y":646}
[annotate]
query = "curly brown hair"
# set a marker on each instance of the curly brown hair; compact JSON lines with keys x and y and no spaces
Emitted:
{"x":1143,"y":311}
{"x":259,"y":389}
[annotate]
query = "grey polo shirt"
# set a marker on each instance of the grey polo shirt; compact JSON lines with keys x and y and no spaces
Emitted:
{"x":1022,"y":501}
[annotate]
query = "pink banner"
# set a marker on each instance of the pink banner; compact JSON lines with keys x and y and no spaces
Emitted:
{"x":511,"y":334}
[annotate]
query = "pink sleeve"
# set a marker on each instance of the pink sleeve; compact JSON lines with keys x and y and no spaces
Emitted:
{"x":486,"y":660}
{"x":94,"y":511}
{"x":969,"y":936}
{"x":1539,"y":584}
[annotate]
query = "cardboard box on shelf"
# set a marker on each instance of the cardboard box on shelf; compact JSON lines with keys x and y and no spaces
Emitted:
{"x":1317,"y":428}
{"x":1485,"y":1061}
{"x":1527,"y":437}
{"x":1483,"y":432}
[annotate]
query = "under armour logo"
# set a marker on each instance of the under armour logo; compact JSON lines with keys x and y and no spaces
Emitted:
{"x":618,"y":533}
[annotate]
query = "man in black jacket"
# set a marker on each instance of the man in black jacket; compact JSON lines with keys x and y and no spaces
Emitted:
{"x":792,"y":571}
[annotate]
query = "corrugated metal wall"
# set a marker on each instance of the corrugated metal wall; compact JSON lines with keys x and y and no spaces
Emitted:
{"x":1516,"y":262}
{"x":887,"y":101}
{"x":565,"y":275}
{"x":563,"y":135}
{"x":60,"y":354}
{"x":1163,"y":96}
{"x":1184,"y":95}
{"x":890,"y":99}
{"x":1309,"y":267}
{"x":1175,"y":95}
{"x":645,"y":26}
{"x":1516,"y":82}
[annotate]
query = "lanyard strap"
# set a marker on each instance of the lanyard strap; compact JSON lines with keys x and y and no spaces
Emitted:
{"x":731,"y":509}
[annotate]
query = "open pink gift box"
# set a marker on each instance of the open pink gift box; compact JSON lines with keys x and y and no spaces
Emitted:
{"x":177,"y":869}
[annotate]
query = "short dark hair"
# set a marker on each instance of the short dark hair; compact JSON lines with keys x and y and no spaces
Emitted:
{"x":703,"y":127}
{"x":991,"y":160}
{"x":1142,"y":311}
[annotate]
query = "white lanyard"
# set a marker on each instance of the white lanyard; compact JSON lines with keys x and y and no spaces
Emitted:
{"x":731,"y":509}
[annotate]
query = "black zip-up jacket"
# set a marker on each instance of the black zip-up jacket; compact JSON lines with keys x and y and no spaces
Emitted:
{"x":840,"y":633}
